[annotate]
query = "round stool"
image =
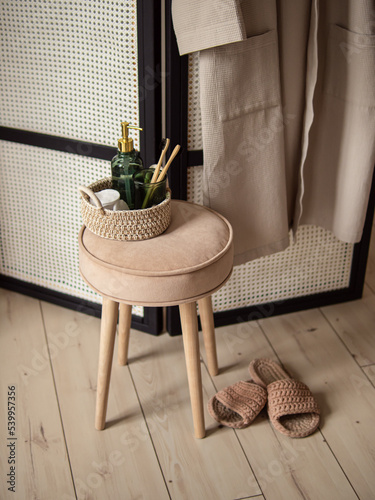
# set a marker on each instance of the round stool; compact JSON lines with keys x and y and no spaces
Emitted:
{"x":186,"y":264}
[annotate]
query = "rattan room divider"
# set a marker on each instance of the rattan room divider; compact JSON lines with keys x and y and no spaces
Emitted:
{"x":71,"y":73}
{"x":317,"y":270}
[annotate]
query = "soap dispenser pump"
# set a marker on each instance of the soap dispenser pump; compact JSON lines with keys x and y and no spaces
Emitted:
{"x":124,"y":164}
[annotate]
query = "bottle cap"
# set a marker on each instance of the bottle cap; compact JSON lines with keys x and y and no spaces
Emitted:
{"x":125,"y":144}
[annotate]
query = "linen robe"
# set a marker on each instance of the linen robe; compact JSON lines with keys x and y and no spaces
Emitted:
{"x":287,"y":92}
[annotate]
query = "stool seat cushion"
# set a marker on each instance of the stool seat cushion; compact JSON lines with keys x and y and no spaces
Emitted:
{"x":190,"y":260}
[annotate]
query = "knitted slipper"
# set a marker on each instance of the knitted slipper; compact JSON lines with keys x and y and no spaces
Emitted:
{"x":292,"y":408}
{"x":237,"y":405}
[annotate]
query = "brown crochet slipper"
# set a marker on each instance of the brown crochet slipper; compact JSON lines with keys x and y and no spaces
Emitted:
{"x":292,"y":408}
{"x":238,"y":405}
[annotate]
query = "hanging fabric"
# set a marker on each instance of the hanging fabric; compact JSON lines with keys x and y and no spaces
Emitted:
{"x":287,"y":91}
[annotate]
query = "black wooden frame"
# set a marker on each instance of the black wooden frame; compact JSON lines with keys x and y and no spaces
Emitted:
{"x":177,"y":119}
{"x":150,"y":91}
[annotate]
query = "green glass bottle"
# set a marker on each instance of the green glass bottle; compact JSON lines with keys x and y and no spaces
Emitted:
{"x":126,"y":162}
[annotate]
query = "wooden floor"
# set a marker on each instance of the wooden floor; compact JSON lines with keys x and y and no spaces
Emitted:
{"x":148,"y":450}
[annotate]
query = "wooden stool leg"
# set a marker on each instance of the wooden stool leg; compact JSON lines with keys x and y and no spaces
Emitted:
{"x":107,"y":340}
{"x":189,"y":324}
{"x":124,"y":333}
{"x":208,"y":330}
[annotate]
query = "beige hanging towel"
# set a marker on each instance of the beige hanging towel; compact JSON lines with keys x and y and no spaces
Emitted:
{"x":288,"y":114}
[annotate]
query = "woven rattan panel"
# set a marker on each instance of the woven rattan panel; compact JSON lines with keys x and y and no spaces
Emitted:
{"x":40,"y":216}
{"x":316,"y":262}
{"x":69,"y":68}
{"x":194,"y":113}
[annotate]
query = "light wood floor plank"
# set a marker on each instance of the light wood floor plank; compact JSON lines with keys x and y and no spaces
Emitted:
{"x":367,"y":291}
{"x":370,"y":372}
{"x":211,"y":468}
{"x":138,"y":458}
{"x":42,"y":463}
{"x":311,"y":350}
{"x":355,"y":324}
{"x":285,"y":468}
{"x":256,"y":497}
{"x":119,"y":462}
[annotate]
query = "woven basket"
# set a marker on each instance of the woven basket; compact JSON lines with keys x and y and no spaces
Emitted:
{"x":123,"y":225}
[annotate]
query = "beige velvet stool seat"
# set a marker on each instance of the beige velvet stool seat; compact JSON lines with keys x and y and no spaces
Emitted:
{"x":187,"y":263}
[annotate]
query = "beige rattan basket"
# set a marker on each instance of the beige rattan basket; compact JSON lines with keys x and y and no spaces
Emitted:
{"x":124,"y":225}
